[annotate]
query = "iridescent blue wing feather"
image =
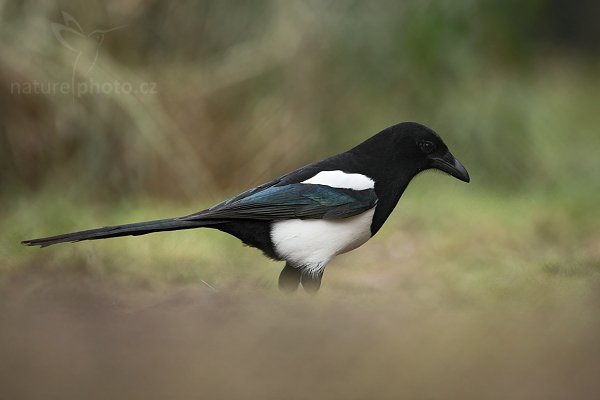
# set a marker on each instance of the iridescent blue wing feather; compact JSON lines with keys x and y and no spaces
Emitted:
{"x":298,"y":200}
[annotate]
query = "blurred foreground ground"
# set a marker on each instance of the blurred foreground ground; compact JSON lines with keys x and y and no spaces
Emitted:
{"x":84,"y":340}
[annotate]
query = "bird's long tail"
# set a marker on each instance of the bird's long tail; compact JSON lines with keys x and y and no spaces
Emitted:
{"x":140,"y":228}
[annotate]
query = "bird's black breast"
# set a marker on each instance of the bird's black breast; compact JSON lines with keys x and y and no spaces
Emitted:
{"x":252,"y":233}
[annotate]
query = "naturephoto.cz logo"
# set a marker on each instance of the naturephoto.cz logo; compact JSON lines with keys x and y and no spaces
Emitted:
{"x":86,"y":50}
{"x":83,"y":87}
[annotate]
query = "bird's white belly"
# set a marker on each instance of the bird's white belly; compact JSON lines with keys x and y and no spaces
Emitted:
{"x":312,"y":243}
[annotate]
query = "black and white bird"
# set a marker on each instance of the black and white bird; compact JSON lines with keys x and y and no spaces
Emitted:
{"x":310,"y":215}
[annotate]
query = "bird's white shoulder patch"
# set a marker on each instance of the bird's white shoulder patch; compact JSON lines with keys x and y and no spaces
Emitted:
{"x":342,"y":180}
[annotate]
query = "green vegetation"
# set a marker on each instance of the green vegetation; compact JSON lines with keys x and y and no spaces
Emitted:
{"x":476,"y":244}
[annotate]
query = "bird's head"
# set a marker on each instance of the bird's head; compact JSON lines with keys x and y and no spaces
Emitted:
{"x":421,"y":148}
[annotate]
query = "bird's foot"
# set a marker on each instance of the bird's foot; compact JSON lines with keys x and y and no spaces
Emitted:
{"x":291,"y":277}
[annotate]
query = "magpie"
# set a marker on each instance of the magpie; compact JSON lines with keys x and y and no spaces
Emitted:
{"x":312,"y":214}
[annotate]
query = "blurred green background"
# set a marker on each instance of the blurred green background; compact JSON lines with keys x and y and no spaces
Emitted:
{"x":119,"y":111}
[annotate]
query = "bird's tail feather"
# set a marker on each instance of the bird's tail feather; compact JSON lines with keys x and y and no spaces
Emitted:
{"x":140,"y":228}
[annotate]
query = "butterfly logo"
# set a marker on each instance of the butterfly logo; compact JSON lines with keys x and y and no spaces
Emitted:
{"x":86,"y":46}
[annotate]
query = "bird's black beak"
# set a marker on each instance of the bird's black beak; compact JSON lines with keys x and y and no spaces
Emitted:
{"x":452,"y":166}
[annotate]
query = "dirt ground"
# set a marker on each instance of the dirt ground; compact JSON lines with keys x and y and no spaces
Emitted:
{"x":75,"y":337}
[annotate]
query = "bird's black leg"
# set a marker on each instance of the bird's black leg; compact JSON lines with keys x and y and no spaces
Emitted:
{"x":311,"y":281}
{"x":289,"y":279}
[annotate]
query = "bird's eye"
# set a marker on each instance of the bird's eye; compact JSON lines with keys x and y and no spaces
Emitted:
{"x":427,"y":147}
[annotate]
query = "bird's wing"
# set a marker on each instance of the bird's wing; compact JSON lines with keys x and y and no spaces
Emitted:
{"x":297,"y":200}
